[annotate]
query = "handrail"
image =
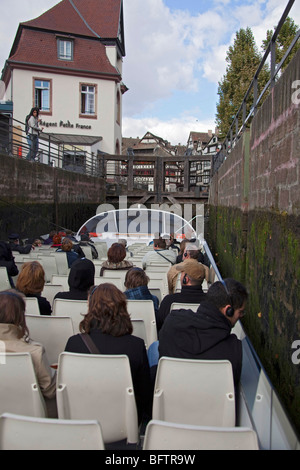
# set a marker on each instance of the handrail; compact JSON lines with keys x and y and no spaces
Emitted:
{"x":235,"y":131}
{"x":51,"y":151}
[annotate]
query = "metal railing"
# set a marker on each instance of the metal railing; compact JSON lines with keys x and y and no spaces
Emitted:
{"x":51,"y":150}
{"x":236,"y":130}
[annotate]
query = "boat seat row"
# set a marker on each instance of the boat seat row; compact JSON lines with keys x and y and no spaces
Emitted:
{"x":204,"y":390}
{"x":60,"y":434}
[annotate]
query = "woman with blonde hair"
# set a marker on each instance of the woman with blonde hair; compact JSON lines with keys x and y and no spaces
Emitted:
{"x":67,"y":247}
{"x":31,"y":281}
{"x":15,"y":336}
{"x":108,"y":325}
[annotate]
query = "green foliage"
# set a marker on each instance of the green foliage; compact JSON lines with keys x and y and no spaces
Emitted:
{"x":243,"y":60}
{"x":284,"y":39}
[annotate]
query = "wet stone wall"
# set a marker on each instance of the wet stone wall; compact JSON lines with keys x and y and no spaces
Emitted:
{"x":254,"y":231}
{"x":36,"y":198}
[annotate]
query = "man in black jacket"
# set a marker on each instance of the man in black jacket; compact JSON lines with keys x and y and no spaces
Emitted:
{"x":192,"y":276}
{"x":14,"y":243}
{"x":8,"y":261}
{"x":206,"y":334}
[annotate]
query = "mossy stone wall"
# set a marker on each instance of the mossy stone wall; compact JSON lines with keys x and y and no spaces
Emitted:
{"x":254,"y":232}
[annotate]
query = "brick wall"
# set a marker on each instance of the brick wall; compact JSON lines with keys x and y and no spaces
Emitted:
{"x":275,"y":148}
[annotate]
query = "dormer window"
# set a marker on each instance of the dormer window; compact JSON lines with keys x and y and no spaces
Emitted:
{"x":65,"y":49}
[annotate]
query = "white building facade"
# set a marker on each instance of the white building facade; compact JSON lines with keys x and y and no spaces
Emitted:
{"x":68,"y":63}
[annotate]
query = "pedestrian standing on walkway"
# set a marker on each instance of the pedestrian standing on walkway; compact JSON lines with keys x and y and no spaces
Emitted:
{"x":33,"y":131}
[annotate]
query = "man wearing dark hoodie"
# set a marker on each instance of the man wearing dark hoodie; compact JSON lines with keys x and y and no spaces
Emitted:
{"x":81,"y":279}
{"x":206,"y":334}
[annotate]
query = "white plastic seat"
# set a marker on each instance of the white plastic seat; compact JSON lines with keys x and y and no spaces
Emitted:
{"x":158,"y":268}
{"x":49,"y":264}
{"x":191,"y":391}
{"x":52,"y":332}
{"x":140,"y":330}
{"x":18,"y":257}
{"x":156,"y":291}
{"x":4,"y":280}
{"x":60,"y":279}
{"x":137,"y":263}
{"x":185,"y":305}
{"x":61,"y":262}
{"x":118,"y":282}
{"x":158,"y":284}
{"x":87,"y":250}
{"x":161,"y":435}
{"x":92,"y":386}
{"x":32,"y":306}
{"x":115,"y":273}
{"x":26,"y":433}
{"x":50,"y":291}
{"x":144,"y":310}
{"x":75,"y":309}
{"x":19,"y":389}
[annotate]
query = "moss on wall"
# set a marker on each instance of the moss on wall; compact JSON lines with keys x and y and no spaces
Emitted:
{"x":224,"y":231}
{"x":264,"y":254}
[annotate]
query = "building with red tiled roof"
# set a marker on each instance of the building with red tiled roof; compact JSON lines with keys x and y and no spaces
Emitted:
{"x":68,"y":62}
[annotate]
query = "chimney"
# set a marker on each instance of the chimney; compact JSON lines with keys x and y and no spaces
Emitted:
{"x":209,"y":132}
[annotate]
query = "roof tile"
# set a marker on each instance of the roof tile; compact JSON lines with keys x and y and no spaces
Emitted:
{"x":38,"y":47}
{"x":89,"y":17}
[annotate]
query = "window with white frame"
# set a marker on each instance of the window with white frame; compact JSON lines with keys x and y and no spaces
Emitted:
{"x":65,"y":49}
{"x":42,"y":94}
{"x":88,"y":100}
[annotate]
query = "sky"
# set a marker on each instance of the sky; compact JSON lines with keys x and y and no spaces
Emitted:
{"x":175,"y":56}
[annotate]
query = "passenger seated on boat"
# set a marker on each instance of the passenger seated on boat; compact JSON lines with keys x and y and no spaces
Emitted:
{"x":136,"y":283}
{"x":116,"y":258}
{"x":191,"y":251}
{"x":123,"y":241}
{"x":206,"y":334}
{"x":81,"y":278}
{"x":15,"y":245}
{"x":183,"y":243}
{"x":172,"y":243}
{"x":159,"y":254}
{"x":86,"y":241}
{"x":16,"y":338}
{"x":192,"y":276}
{"x":31,"y":281}
{"x":56,"y":242}
{"x":67,"y":246}
{"x":108,"y":324}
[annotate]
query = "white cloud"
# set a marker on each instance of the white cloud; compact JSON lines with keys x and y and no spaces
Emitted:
{"x":175,"y":130}
{"x":13,"y":13}
{"x":168,"y":51}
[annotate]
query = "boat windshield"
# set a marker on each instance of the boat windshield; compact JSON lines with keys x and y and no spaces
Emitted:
{"x":136,"y":224}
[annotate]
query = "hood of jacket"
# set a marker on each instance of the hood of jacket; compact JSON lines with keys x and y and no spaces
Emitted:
{"x":188,"y":334}
{"x":82,"y":274}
